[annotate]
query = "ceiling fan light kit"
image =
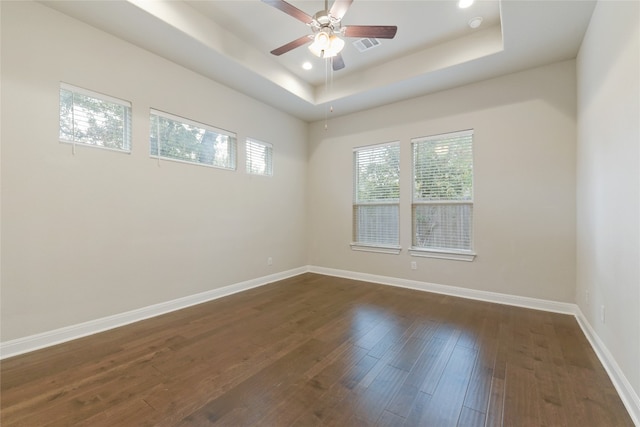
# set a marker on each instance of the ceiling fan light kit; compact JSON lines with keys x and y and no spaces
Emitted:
{"x":326,"y":45}
{"x":326,"y":25}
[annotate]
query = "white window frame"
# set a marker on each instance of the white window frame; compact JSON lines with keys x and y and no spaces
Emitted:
{"x":365,"y":246}
{"x":233,"y":148}
{"x":249,"y":159}
{"x":126,"y":125}
{"x":433,"y":252}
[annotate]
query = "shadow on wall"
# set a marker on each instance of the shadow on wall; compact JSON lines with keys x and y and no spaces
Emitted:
{"x":516,"y":88}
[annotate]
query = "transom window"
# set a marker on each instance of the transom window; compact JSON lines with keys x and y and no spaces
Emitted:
{"x":259,"y":157}
{"x":180,"y":139}
{"x":93,"y":119}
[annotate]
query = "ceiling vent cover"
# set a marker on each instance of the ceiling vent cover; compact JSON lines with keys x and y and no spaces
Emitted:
{"x":366,"y":44}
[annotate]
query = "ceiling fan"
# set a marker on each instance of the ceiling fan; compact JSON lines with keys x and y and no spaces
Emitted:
{"x":326,"y":26}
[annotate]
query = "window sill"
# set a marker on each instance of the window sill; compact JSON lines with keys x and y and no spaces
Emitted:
{"x":101,"y":147}
{"x":395,"y":250}
{"x":429,"y":253}
{"x":187,"y":162}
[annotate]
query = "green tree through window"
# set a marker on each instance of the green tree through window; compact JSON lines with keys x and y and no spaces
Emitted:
{"x":94,"y":119}
{"x":175,"y":138}
{"x":442,"y":207}
{"x":376,"y":195}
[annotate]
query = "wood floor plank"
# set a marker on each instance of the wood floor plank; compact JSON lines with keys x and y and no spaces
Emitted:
{"x":371,"y":400}
{"x":388,"y":419}
{"x":520,"y":403}
{"x":271,"y":381}
{"x":408,"y":354}
{"x":471,"y":418}
{"x":175,"y":397}
{"x":521,"y":389}
{"x":438,"y":353}
{"x":404,"y":400}
{"x":315,"y":350}
{"x":495,"y":407}
{"x":593,"y":400}
{"x":397,"y":335}
{"x":417,"y":409}
{"x":445,"y":406}
{"x":341,"y":371}
{"x":558,"y":369}
{"x":551,"y":402}
{"x":477,"y":397}
{"x":132,"y":409}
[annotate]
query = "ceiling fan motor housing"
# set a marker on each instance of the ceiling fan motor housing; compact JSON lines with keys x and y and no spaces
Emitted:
{"x":326,"y":25}
{"x":322,"y":20}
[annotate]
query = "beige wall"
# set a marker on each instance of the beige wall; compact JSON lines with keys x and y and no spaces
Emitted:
{"x":524,"y":212}
{"x":101,"y":232}
{"x":608,"y":183}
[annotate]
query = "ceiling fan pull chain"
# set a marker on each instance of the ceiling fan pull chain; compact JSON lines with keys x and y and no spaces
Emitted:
{"x":326,"y":79}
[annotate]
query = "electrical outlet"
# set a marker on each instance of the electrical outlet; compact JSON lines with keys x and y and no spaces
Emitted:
{"x":269,"y":261}
{"x":586,"y":296}
{"x":602,"y":313}
{"x":414,"y":265}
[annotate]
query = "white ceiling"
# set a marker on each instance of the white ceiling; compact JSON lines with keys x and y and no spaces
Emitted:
{"x":434,"y":49}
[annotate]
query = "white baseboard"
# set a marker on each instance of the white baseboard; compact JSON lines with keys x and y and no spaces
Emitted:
{"x":534,"y":303}
{"x":68,"y":333}
{"x":628,"y":396}
{"x":626,"y":392}
{"x":34,"y":342}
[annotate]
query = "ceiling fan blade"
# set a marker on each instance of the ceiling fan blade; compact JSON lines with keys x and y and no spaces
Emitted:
{"x":337,"y":63}
{"x":291,"y":45}
{"x":375,"y":31}
{"x":289,"y":9}
{"x":339,"y":8}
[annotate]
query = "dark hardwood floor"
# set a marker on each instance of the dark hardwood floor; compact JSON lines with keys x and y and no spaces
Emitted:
{"x":320,"y":351}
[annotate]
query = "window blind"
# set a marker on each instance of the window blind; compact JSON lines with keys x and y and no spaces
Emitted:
{"x":259,"y":157}
{"x":442,"y":207}
{"x":94,"y":119}
{"x":376,"y":195}
{"x":176,"y":138}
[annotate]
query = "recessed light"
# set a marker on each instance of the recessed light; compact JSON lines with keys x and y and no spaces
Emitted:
{"x":307,"y":65}
{"x":475,"y":22}
{"x":463,"y":4}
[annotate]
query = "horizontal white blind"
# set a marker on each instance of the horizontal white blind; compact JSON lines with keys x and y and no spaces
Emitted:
{"x":377,"y":173}
{"x":376,"y":224}
{"x":94,"y":119}
{"x":376,"y":194}
{"x":191,"y":123}
{"x":93,"y":94}
{"x":443,"y":226}
{"x":259,"y":157}
{"x":443,"y":167}
{"x":176,"y":138}
{"x":442,"y":208}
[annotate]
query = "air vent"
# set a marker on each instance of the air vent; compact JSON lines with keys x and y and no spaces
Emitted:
{"x":366,"y":44}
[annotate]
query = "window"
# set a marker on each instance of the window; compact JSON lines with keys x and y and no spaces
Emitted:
{"x":94,"y":119}
{"x":259,"y":157}
{"x":442,"y":207}
{"x":180,"y":139}
{"x":376,"y":198}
